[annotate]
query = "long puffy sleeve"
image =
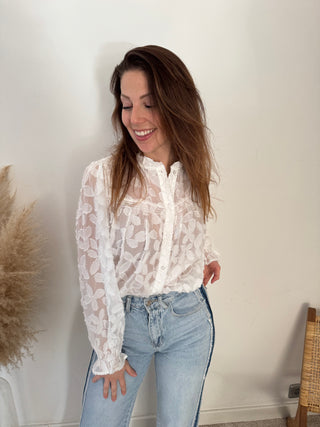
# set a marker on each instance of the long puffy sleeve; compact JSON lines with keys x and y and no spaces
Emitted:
{"x":100,"y":297}
{"x":210,"y":254}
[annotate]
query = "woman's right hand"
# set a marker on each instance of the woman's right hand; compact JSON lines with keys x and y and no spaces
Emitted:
{"x":111,"y":380}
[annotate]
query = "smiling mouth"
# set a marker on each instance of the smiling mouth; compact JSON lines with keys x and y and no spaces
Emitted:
{"x":142,"y":133}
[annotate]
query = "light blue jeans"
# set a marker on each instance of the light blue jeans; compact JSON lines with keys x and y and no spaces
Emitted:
{"x":176,"y":329}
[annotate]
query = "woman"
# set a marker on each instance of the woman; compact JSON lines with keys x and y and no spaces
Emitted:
{"x":143,"y":252}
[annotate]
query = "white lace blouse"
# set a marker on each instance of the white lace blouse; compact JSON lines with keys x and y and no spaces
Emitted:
{"x":156,"y":244}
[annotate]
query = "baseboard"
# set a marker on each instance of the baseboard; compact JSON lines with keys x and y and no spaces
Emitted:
{"x":71,"y":424}
{"x":248,"y":413}
{"x":214,"y":416}
{"x":229,"y":415}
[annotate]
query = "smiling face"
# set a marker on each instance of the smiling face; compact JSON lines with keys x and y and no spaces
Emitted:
{"x":141,"y":118}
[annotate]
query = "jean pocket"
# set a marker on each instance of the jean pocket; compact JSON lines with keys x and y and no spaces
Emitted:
{"x":186,"y":304}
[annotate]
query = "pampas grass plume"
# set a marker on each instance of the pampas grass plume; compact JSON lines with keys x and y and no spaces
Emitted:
{"x":20,"y":266}
{"x":6,"y":200}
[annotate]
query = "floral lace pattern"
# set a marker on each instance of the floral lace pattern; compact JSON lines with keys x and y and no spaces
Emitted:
{"x":156,"y":244}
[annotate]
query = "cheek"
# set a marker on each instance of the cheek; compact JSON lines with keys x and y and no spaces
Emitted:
{"x":125,"y":118}
{"x":156,"y":120}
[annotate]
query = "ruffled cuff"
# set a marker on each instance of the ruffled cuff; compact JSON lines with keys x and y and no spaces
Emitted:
{"x":213,"y":255}
{"x":106,"y":367}
{"x":210,"y":254}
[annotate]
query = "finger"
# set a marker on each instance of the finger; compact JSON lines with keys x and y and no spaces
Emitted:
{"x":216,"y":276}
{"x":206,"y":278}
{"x":106,"y":387}
{"x":130,"y":370}
{"x":123,"y":386}
{"x":96,"y":378}
{"x":114,"y":391}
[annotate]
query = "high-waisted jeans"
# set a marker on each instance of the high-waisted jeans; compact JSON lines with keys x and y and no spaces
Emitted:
{"x":178,"y":330}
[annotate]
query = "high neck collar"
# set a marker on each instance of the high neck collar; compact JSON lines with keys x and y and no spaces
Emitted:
{"x":147,"y":163}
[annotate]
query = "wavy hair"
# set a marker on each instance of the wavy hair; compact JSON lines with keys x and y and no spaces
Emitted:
{"x":182,"y":118}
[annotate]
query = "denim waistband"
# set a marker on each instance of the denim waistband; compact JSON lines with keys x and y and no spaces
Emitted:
{"x":162,"y":299}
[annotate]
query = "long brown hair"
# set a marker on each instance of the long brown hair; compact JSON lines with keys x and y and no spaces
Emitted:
{"x":182,"y":117}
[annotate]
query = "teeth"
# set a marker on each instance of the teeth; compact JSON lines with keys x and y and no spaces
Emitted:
{"x":143,"y":132}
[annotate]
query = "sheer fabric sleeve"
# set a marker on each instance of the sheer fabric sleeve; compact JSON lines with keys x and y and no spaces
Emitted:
{"x":210,"y":254}
{"x":100,"y":297}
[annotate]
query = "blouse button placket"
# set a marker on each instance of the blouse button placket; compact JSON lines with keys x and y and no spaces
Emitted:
{"x":167,"y":190}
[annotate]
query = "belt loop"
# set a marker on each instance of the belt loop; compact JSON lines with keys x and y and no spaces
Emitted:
{"x":128,"y":304}
{"x":161,"y":302}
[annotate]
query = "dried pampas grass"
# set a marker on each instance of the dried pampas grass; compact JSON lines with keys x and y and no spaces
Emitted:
{"x":20,"y":265}
{"x":6,"y":200}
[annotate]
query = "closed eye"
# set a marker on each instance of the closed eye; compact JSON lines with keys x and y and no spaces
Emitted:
{"x":130,"y":107}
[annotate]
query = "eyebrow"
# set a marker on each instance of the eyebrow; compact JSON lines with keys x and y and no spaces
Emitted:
{"x":141,"y":97}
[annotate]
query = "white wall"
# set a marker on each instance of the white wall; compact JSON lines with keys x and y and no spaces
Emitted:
{"x":257,"y":65}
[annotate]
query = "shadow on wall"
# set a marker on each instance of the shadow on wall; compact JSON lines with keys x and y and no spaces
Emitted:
{"x":289,"y":368}
{"x":271,"y":391}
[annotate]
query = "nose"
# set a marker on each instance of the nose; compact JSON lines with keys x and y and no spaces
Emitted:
{"x":136,"y":115}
